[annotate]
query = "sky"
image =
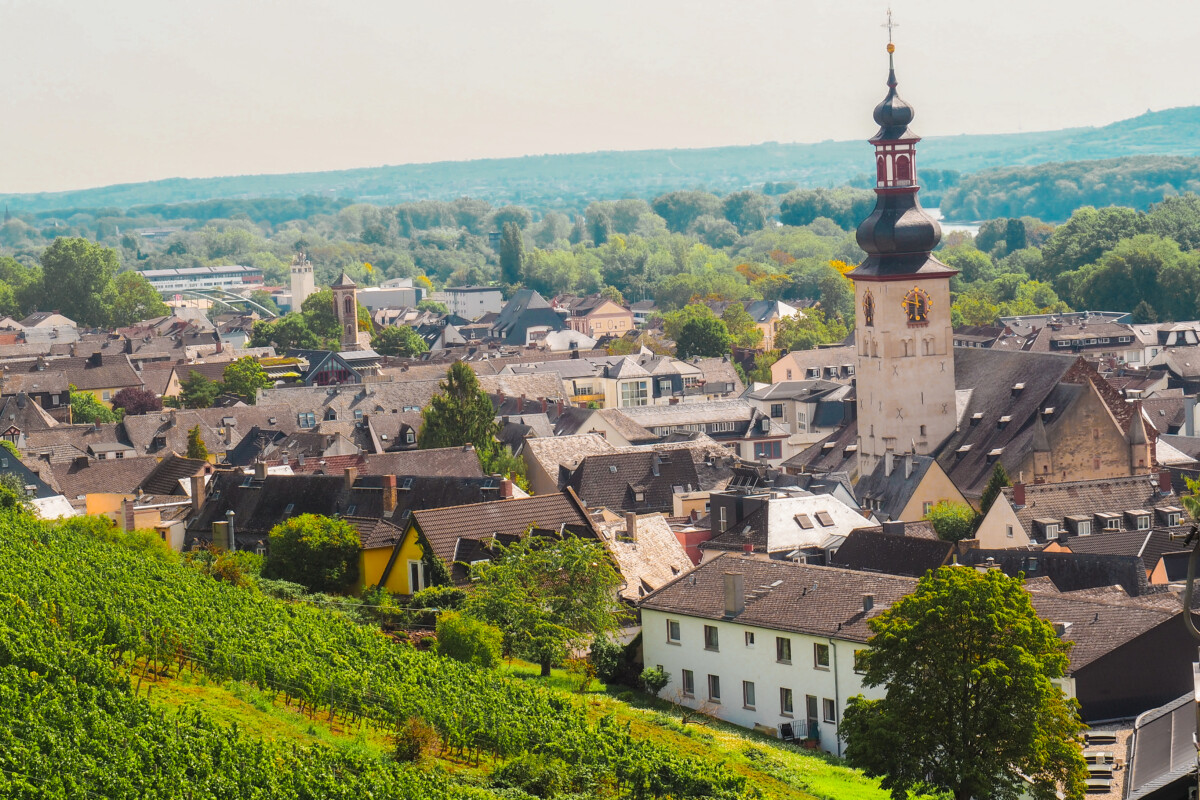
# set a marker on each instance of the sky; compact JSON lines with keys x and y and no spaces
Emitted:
{"x":121,"y":91}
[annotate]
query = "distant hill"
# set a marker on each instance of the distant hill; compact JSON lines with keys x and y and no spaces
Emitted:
{"x":572,"y":181}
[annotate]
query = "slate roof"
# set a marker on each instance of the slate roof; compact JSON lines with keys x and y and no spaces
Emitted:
{"x":576,"y":420}
{"x":1098,"y":627}
{"x":65,"y":442}
{"x":445,"y":462}
{"x":374,"y":532}
{"x":1166,"y":414}
{"x":803,"y":598}
{"x":443,"y":527}
{"x":552,"y":452}
{"x":801,"y":361}
{"x":807,"y":390}
{"x":24,"y":412}
{"x":525,"y":310}
{"x":1188,"y":445}
{"x":1067,"y":571}
{"x":887,"y":495}
{"x":837,"y":452}
{"x":166,"y":477}
{"x":788,"y":522}
{"x":612,"y":480}
{"x":102,"y":371}
{"x":872,"y":550}
{"x":1149,"y":546}
{"x":652,"y":561}
{"x":1088,"y":498}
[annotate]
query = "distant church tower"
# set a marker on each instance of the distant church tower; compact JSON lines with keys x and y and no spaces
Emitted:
{"x":345,"y":307}
{"x":905,"y":373}
{"x":302,"y":280}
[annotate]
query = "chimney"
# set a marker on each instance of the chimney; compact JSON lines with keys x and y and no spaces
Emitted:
{"x":300,"y":459}
{"x":1164,"y":482}
{"x":521,"y":404}
{"x":198,"y":493}
{"x":735,"y":593}
{"x":545,"y":406}
{"x":908,"y":465}
{"x":889,"y":463}
{"x":389,"y":494}
{"x":631,"y":526}
{"x":220,"y":534}
{"x":232,"y":535}
{"x":127,"y":520}
{"x":41,"y":363}
{"x":171,"y":418}
{"x":229,"y":434}
{"x":1189,"y":416}
{"x":350,"y":475}
{"x":506,"y":488}
{"x":260,"y":470}
{"x":894,"y":527}
{"x":1019,"y":495}
{"x":868,"y":603}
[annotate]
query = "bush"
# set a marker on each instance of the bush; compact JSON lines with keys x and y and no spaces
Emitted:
{"x":616,"y":663}
{"x":468,"y":640}
{"x":440,"y":597}
{"x":236,"y":568}
{"x":318,"y":552}
{"x":654,"y":680}
{"x":535,"y":773}
{"x":414,"y":739}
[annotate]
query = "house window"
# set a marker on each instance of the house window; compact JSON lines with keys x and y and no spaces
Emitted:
{"x":1084,"y":528}
{"x":687,"y":682}
{"x":1051,"y":531}
{"x":748,"y":694}
{"x":673,"y":631}
{"x":306,"y":419}
{"x":260,"y":550}
{"x":783,"y":649}
{"x":821,"y":656}
{"x":664,"y":387}
{"x":119,"y":454}
{"x":710,"y":638}
{"x":830,"y":709}
{"x":768,"y":450}
{"x":1008,"y":531}
{"x":1112,"y":524}
{"x":1143,"y":522}
{"x":1173,"y":519}
{"x":410,"y":438}
{"x":639,"y":497}
{"x":721,"y":518}
{"x":106,"y":395}
{"x":777,"y":410}
{"x":358,"y":415}
{"x":416,"y":576}
{"x":926,"y":507}
{"x":720,"y":427}
{"x":749,"y":638}
{"x":789,"y":374}
{"x":785,"y":702}
{"x":860,"y":666}
{"x":714,"y":688}
{"x":634,"y":393}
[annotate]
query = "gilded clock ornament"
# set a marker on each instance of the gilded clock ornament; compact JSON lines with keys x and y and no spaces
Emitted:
{"x":868,"y":309}
{"x":917,"y":305}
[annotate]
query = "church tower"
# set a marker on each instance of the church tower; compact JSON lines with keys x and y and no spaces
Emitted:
{"x":302,"y":280}
{"x":905,"y":373}
{"x":345,"y":308}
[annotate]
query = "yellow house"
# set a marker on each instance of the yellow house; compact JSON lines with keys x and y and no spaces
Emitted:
{"x":101,"y":375}
{"x":439,"y":542}
{"x":905,"y":487}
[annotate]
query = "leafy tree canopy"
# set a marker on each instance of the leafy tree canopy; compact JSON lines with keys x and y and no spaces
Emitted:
{"x":704,"y":337}
{"x":952,"y":521}
{"x":195,"y":446}
{"x":197,"y":391}
{"x":244,"y":378}
{"x":318,"y":552}
{"x":133,"y":400}
{"x":85,"y":408}
{"x":398,"y":340}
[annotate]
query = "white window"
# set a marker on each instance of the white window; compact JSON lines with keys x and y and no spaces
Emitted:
{"x":783,"y":649}
{"x":785,"y":702}
{"x":1112,"y":524}
{"x":1084,"y":528}
{"x":1143,"y":522}
{"x":1173,"y":518}
{"x":749,"y":638}
{"x":673,"y":631}
{"x":830,"y":709}
{"x":748,"y":694}
{"x":714,"y":688}
{"x":687,"y":681}
{"x":821,"y":656}
{"x":1051,"y":531}
{"x":634,"y":393}
{"x":1008,"y":530}
{"x":664,"y":387}
{"x":306,"y":419}
{"x":416,"y":576}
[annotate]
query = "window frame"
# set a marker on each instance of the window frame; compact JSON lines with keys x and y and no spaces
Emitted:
{"x":687,"y":682}
{"x":749,"y":638}
{"x":748,"y":693}
{"x":712,"y":638}
{"x":673,"y":626}
{"x":818,"y":649}
{"x":787,"y":702}
{"x":828,"y":710}
{"x":714,"y":682}
{"x":783,"y":649}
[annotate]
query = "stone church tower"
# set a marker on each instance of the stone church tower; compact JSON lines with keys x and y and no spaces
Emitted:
{"x":302,"y":280}
{"x":905,"y":372}
{"x":345,"y":307}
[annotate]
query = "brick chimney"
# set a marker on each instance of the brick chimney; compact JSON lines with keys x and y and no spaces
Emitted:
{"x":127,"y":520}
{"x":506,"y":489}
{"x":1018,"y":495}
{"x":350,"y":475}
{"x":1164,"y":482}
{"x":631,"y":526}
{"x":198,"y":493}
{"x":389,"y":494}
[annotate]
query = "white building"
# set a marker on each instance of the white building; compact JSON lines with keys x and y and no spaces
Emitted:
{"x":759,"y":642}
{"x":232,"y":276}
{"x":472,"y":302}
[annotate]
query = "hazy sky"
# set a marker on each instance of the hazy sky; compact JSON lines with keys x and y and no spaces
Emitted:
{"x":113,"y":91}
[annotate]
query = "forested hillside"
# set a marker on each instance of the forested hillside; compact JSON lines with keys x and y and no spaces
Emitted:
{"x":570,"y":182}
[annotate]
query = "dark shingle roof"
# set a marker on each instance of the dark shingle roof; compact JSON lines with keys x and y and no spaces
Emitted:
{"x":443,"y":527}
{"x":165,"y":478}
{"x":116,"y":475}
{"x":1107,"y":495}
{"x":875,"y":551}
{"x":1149,"y":546}
{"x":887,"y":495}
{"x":612,"y":480}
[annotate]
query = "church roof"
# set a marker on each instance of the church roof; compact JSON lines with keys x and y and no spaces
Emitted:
{"x":344,"y":282}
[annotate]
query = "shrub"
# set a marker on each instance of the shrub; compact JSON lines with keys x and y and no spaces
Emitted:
{"x":413,"y":740}
{"x":441,"y":597}
{"x":468,"y":640}
{"x":535,"y":773}
{"x":318,"y":552}
{"x":654,"y":680}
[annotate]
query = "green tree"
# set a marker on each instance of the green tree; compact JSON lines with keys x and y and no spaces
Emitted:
{"x":1144,"y":313}
{"x":971,"y":707}
{"x":548,"y":596}
{"x":808,"y":329}
{"x":747,"y":210}
{"x":134,"y":401}
{"x":77,"y":274}
{"x":512,"y":253}
{"x":994,"y":486}
{"x":975,"y":308}
{"x":197,"y":391}
{"x":460,"y":414}
{"x":244,"y":377}
{"x":264,"y":299}
{"x":706,"y":336}
{"x":131,"y":298}
{"x":398,"y":340}
{"x":741,"y":326}
{"x":85,"y":408}
{"x":285,"y":333}
{"x":196,"y":447}
{"x":681,"y":209}
{"x":320,"y":319}
{"x":468,"y":640}
{"x":654,"y":680}
{"x":1087,"y":235}
{"x":320,"y":553}
{"x":952,"y":521}
{"x":433,"y":306}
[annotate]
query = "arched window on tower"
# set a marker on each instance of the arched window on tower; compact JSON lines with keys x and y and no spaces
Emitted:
{"x":349,"y":306}
{"x":880,"y":170}
{"x":903,"y":169}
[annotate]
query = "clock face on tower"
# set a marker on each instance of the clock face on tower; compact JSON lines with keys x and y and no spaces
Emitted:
{"x":917,"y":305}
{"x":868,"y":309}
